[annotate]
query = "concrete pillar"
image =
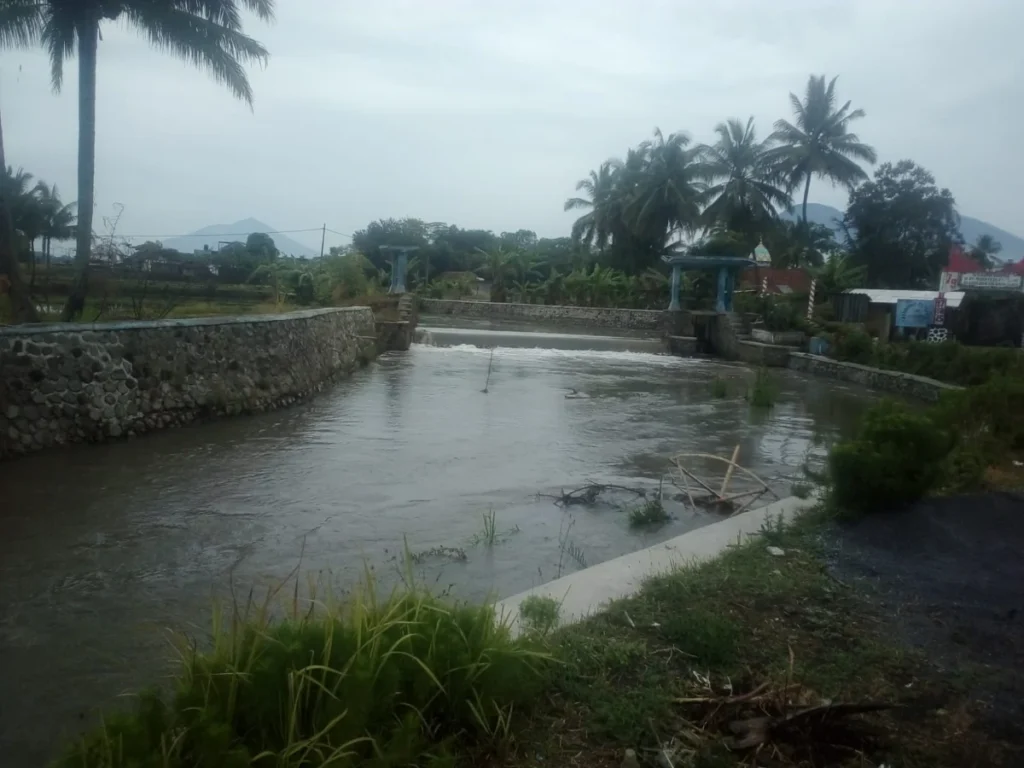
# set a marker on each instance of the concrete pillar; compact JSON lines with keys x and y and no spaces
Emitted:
{"x":674,"y":303}
{"x":721,"y":303}
{"x":398,"y":272}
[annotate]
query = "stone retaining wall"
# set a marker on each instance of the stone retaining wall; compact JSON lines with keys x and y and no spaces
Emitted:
{"x":637,"y":319}
{"x":877,"y":378}
{"x":87,"y":382}
{"x":769,"y":355}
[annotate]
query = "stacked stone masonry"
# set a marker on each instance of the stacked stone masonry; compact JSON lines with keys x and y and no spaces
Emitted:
{"x":877,"y":378}
{"x":638,"y":319}
{"x":89,"y":382}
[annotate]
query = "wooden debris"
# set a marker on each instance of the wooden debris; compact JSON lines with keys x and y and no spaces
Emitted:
{"x":718,"y":499}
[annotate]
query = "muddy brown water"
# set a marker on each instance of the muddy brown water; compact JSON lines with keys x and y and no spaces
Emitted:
{"x":105,"y":550}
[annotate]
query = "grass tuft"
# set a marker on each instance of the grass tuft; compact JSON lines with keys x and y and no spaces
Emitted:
{"x":404,"y":680}
{"x":764,"y":390}
{"x":539,"y":614}
{"x":651,"y":512}
{"x":719,"y":388}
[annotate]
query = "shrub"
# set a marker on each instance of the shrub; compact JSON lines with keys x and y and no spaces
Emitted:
{"x":402,"y":681}
{"x":896,"y":459}
{"x":539,"y":614}
{"x":851,"y":343}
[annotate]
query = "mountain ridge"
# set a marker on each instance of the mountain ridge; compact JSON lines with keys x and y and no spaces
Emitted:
{"x":214,"y":234}
{"x":970,"y":227}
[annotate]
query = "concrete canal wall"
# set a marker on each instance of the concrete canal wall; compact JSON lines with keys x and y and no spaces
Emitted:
{"x":586,"y":592}
{"x":636,"y":319}
{"x":89,"y":382}
{"x":877,"y":378}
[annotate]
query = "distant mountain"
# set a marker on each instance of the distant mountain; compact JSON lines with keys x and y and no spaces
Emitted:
{"x":970,"y":228}
{"x":213,"y":235}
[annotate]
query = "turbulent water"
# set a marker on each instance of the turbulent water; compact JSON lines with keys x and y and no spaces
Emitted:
{"x":103,"y":549}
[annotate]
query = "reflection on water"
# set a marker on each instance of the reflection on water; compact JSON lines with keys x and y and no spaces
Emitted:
{"x":102,"y":548}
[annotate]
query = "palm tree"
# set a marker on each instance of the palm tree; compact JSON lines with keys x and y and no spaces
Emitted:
{"x":498,"y":268}
{"x":820,"y":143}
{"x":597,"y":225}
{"x":58,"y":218}
{"x":837,"y":275}
{"x":207,"y":33}
{"x":745,"y":186}
{"x":667,"y":193}
{"x":19,"y":21}
{"x":984,"y":249}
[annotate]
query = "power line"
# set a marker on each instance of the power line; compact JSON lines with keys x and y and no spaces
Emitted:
{"x":233,"y":234}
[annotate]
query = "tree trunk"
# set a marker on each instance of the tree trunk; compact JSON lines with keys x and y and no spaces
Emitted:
{"x":807,"y":189}
{"x":88,"y":40}
{"x":32,"y":270}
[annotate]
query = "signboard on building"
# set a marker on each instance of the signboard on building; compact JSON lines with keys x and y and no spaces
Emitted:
{"x":914,"y":313}
{"x":990,"y":281}
{"x":940,"y":310}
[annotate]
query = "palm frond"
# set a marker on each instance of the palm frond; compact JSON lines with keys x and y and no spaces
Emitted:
{"x":21,"y":23}
{"x":59,"y":37}
{"x":199,"y":41}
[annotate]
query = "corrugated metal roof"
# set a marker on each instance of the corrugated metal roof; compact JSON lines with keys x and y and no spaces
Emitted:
{"x":886,"y":296}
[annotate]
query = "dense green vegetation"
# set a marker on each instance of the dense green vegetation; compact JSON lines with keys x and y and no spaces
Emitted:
{"x":413,"y":681}
{"x":398,"y":681}
{"x":951,"y":362}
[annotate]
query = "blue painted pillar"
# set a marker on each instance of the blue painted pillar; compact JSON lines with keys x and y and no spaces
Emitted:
{"x":721,"y":303}
{"x":674,"y":303}
{"x":398,"y":272}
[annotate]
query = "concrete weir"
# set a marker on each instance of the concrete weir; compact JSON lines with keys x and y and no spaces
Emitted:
{"x":586,"y":592}
{"x":478,"y":337}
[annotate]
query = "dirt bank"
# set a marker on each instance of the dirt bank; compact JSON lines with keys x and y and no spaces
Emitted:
{"x":949,"y":575}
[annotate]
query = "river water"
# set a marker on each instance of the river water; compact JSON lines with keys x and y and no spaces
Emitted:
{"x":105,"y":549}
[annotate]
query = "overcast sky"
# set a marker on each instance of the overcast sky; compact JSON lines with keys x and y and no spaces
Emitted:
{"x":485,"y":114}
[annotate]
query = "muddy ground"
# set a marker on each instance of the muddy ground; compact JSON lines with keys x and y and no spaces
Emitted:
{"x":949,"y":574}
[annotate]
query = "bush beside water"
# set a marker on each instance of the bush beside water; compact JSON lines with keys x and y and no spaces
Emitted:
{"x":901,"y":454}
{"x":404,"y":681}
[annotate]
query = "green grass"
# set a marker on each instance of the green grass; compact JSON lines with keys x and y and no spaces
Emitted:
{"x":406,"y":680}
{"x":664,"y":664}
{"x":490,"y":532}
{"x":719,"y":388}
{"x":651,"y":512}
{"x":764,"y":390}
{"x":539,"y":614}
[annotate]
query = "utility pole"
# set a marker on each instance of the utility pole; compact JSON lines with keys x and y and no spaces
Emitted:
{"x":323,"y":236}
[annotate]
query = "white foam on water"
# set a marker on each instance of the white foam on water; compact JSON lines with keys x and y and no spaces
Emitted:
{"x":546,"y":353}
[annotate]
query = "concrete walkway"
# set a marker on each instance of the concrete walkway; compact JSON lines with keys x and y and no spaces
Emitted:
{"x":588,"y":591}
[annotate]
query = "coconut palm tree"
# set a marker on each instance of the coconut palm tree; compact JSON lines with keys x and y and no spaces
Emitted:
{"x":58,"y":218}
{"x":19,"y":25}
{"x":745,"y":187}
{"x":984,"y":250}
{"x":207,"y":33}
{"x":819,"y":143}
{"x":666,"y":194}
{"x":597,"y":225}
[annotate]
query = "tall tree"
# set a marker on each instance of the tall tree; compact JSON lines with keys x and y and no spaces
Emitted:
{"x":19,"y":25}
{"x":206,"y":33}
{"x":902,"y":227}
{"x":745,"y":186}
{"x":668,"y":190}
{"x":985,"y":249}
{"x":820,"y":142}
{"x":603,"y":210}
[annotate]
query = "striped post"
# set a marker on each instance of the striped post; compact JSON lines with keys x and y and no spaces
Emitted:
{"x":764,"y":285}
{"x":810,"y":300}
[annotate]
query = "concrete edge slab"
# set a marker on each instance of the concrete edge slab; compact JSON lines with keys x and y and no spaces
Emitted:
{"x":586,"y":592}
